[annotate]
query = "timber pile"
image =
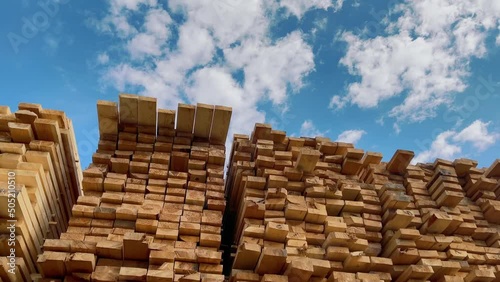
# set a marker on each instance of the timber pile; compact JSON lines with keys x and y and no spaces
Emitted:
{"x":309,"y":209}
{"x":153,"y":198}
{"x":38,"y":153}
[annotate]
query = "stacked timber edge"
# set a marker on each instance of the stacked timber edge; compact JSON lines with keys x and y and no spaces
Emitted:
{"x":153,"y":198}
{"x":309,"y":209}
{"x":40,"y":181}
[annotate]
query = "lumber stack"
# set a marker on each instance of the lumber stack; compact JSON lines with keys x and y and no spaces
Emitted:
{"x":39,"y":162}
{"x":153,"y":197}
{"x":309,"y":209}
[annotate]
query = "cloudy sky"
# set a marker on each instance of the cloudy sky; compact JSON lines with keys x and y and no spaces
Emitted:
{"x":415,"y":74}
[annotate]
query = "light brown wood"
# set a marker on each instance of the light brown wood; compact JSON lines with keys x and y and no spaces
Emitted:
{"x":220,"y":124}
{"x":300,"y":209}
{"x":203,"y":120}
{"x":129,"y":109}
{"x":185,"y":118}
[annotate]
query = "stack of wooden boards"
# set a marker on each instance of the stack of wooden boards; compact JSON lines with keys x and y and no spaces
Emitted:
{"x":308,"y":209}
{"x":153,"y":198}
{"x":39,"y":159}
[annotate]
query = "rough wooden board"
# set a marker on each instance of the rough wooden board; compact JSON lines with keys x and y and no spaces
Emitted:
{"x":58,"y":165}
{"x":107,"y":109}
{"x":59,"y":116}
{"x":47,"y":130}
{"x":35,"y":108}
{"x":74,"y":169}
{"x":203,"y":120}
{"x":13,"y":148}
{"x":25,"y":116}
{"x":147,"y":111}
{"x":166,"y":118}
{"x":220,"y":124}
{"x":307,"y":159}
{"x":44,"y":158}
{"x":52,"y":264}
{"x":129,"y":109}
{"x":185,"y":118}
{"x":271,"y":261}
{"x":50,"y":197}
{"x":400,"y":161}
{"x":20,"y":132}
{"x":494,"y":169}
{"x":5,"y":110}
{"x":107,"y":115}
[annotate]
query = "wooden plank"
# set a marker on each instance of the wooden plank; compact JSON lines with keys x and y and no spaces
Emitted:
{"x":271,"y":261}
{"x":129,"y":109}
{"x":35,"y":108}
{"x":203,"y":120}
{"x":166,"y":118}
{"x":220,"y":124}
{"x":21,"y":133}
{"x":185,"y":118}
{"x":494,"y":169}
{"x":108,"y":119}
{"x":72,"y":160}
{"x":44,"y":158}
{"x":59,"y":168}
{"x":5,"y":110}
{"x":307,"y":160}
{"x":400,"y":161}
{"x":147,"y":111}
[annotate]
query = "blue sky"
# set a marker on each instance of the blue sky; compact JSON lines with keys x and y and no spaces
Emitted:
{"x":418,"y":75}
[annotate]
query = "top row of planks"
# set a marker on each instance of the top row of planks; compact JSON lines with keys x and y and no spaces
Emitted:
{"x":139,"y":114}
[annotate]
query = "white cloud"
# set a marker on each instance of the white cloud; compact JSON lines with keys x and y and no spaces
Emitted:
{"x":239,"y":28}
{"x":320,"y":24}
{"x":116,"y":22}
{"x":396,"y":128}
{"x":152,"y":84}
{"x":300,"y":7}
{"x":424,"y":58}
{"x":351,"y":136}
{"x":143,"y":44}
{"x":441,"y":147}
{"x":448,"y":144}
{"x":228,"y":21}
{"x":477,"y":133}
{"x":119,"y":5}
{"x":156,"y":22}
{"x":216,"y":40}
{"x":337,"y":103}
{"x":103,"y":58}
{"x":215,"y":85}
{"x":154,"y":37}
{"x":273,"y":68}
{"x":308,"y":129}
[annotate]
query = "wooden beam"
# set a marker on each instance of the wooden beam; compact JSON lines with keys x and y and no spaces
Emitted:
{"x":147,"y":111}
{"x":220,"y":124}
{"x":185,"y":118}
{"x":129,"y":109}
{"x":203,"y":120}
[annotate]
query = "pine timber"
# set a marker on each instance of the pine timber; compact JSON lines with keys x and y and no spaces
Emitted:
{"x":38,"y":146}
{"x":153,"y":198}
{"x":311,"y":209}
